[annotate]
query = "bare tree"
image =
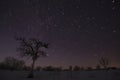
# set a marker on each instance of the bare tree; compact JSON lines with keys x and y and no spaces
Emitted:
{"x":104,"y":62}
{"x":32,"y":48}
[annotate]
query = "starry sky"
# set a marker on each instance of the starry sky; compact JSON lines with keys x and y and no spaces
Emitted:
{"x":80,"y":32}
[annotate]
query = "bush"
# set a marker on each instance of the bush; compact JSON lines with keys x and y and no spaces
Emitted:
{"x":11,"y":63}
{"x":89,"y":68}
{"x":38,"y":68}
{"x":50,"y":68}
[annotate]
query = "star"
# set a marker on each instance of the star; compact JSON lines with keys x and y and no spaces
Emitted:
{"x":79,"y":26}
{"x":48,"y":8}
{"x":95,"y":55}
{"x":113,"y":8}
{"x":113,"y":1}
{"x":62,"y":13}
{"x":77,"y":6}
{"x":102,"y":28}
{"x":114,"y":31}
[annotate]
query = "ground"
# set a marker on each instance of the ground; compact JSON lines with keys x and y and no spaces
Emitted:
{"x":62,"y":75}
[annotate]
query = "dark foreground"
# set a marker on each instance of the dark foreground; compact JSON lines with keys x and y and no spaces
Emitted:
{"x":63,"y":75}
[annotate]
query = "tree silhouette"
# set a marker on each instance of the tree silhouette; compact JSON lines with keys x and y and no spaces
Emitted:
{"x":76,"y":68}
{"x":98,"y":67}
{"x":70,"y":68}
{"x":104,"y":62}
{"x":32,"y":48}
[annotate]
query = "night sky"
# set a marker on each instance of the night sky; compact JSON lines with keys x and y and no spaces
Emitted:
{"x":80,"y":32}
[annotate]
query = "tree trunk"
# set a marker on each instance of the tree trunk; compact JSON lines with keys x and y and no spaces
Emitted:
{"x":31,"y":74}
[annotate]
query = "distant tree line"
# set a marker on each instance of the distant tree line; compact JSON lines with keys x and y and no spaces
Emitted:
{"x":12,"y":64}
